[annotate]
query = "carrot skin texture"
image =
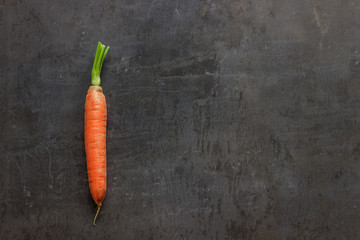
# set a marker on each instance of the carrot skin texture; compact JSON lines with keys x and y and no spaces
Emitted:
{"x":95,"y":142}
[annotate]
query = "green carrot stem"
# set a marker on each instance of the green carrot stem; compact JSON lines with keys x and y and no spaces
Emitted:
{"x":98,"y":62}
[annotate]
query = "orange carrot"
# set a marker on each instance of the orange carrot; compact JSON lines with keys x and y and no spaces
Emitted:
{"x":95,"y":132}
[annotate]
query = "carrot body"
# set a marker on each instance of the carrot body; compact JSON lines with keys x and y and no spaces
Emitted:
{"x":95,"y":142}
{"x":95,"y":131}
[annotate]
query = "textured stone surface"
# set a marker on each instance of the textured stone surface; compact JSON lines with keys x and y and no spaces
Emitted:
{"x":226,"y":119}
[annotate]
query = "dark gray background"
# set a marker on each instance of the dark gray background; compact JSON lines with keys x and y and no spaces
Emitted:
{"x":226,"y":119}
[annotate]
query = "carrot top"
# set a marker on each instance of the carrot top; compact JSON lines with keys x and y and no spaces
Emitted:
{"x":98,"y":62}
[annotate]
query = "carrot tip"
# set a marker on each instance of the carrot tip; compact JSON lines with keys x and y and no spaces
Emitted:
{"x":97,"y":213}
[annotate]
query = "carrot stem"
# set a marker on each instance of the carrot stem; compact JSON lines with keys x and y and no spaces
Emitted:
{"x":98,"y":62}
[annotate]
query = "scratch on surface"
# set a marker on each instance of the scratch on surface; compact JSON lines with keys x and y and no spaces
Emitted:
{"x":175,"y":233}
{"x":152,"y":5}
{"x":90,"y":7}
{"x":323,"y":28}
{"x":19,"y":167}
{"x":50,"y":163}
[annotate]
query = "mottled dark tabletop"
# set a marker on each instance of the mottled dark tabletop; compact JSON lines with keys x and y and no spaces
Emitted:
{"x":226,"y":119}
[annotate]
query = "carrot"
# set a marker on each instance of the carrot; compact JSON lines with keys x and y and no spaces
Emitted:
{"x":95,"y":132}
